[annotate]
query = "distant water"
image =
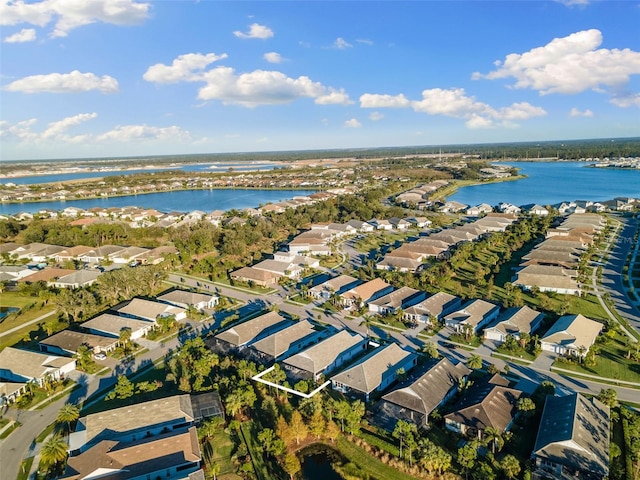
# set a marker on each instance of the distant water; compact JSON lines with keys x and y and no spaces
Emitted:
{"x":180,"y":201}
{"x":548,"y":183}
{"x":209,"y":167}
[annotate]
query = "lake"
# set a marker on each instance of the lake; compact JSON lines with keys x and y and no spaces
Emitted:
{"x":197,"y":167}
{"x":317,"y":463}
{"x":180,"y":201}
{"x":548,"y":183}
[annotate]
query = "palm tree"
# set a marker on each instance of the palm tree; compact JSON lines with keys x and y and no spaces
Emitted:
{"x":53,"y":451}
{"x":68,"y":414}
{"x":494,"y":437}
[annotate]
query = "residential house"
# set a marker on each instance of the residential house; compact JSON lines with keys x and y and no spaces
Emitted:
{"x":150,"y":310}
{"x":77,"y":279}
{"x":283,"y":269}
{"x":433,"y":309}
{"x":478,"y":210}
{"x":99,"y":254}
{"x":453,"y":207}
{"x":288,"y":341}
{"x":127,"y":254}
{"x":484,"y":405}
{"x":473,"y":315}
{"x":419,"y":222}
{"x":415,"y":401}
{"x":170,"y":456}
{"x":67,"y":342}
{"x":241,"y":335}
{"x":253,"y":276}
{"x":133,"y":422}
{"x":46,"y":274}
{"x":548,"y":279}
{"x":396,"y":263}
{"x":326,"y":356}
{"x":360,"y":226}
{"x":573,"y":439}
{"x":398,"y":299}
{"x":514,"y":322}
{"x":571,"y":335}
{"x":184,"y":299}
{"x":333,"y":286}
{"x":364,"y":293}
{"x":112,"y":325}
{"x":535,"y":209}
{"x":24,"y":366}
{"x":72,"y":253}
{"x":399,"y":223}
{"x":379,"y":224}
{"x":375,"y":372}
{"x":13,"y":273}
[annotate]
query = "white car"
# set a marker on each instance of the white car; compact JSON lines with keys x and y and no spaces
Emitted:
{"x":100,"y":356}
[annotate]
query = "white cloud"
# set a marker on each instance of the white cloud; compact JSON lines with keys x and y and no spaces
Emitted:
{"x":341,"y":44}
{"x":456,"y":103}
{"x":57,"y":129}
{"x":185,"y":68}
{"x":373,"y":100}
{"x":626,"y":100}
{"x":573,"y":3}
{"x":273,"y":57}
{"x":375,"y":116}
{"x":24,"y":35}
{"x":353,"y":123}
{"x":568,"y":65}
{"x":260,"y":87}
{"x":255,"y":31}
{"x":56,"y":132}
{"x":130,"y":133}
{"x":73,"y":82}
{"x":364,"y":41}
{"x":334,"y":97}
{"x":578,"y":113}
{"x":70,"y":14}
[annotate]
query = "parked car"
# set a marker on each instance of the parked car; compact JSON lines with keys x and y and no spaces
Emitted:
{"x":100,"y":356}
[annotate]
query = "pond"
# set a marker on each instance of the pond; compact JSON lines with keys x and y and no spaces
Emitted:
{"x":6,"y":311}
{"x":317,"y":463}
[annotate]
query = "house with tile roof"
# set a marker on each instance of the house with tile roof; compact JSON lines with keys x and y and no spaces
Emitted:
{"x":573,"y":439}
{"x":414,"y":401}
{"x":474,"y":314}
{"x":374,"y":373}
{"x":23,"y":366}
{"x":514,"y":321}
{"x":364,"y":293}
{"x":571,"y":335}
{"x":325,"y":357}
{"x":333,"y":286}
{"x":435,"y":307}
{"x":396,"y":300}
{"x":241,"y":335}
{"x":288,"y":341}
{"x":484,"y":405}
{"x":150,"y":310}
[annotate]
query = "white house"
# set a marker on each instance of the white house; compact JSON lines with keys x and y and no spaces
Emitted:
{"x":571,"y":335}
{"x":514,"y":322}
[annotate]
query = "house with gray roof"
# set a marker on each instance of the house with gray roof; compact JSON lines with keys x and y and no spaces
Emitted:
{"x":484,"y":405}
{"x":435,"y":307}
{"x":184,"y":299}
{"x":328,"y":355}
{"x":415,"y":401}
{"x":150,"y":310}
{"x":571,"y":335}
{"x":573,"y":439}
{"x":77,"y":279}
{"x":514,"y":321}
{"x":111,"y":325}
{"x":288,"y":341}
{"x":132,"y":422}
{"x":23,"y":366}
{"x":548,"y":279}
{"x":398,"y":299}
{"x":67,"y":342}
{"x":239,"y":336}
{"x":474,"y":314}
{"x":375,"y":372}
{"x":336,"y":285}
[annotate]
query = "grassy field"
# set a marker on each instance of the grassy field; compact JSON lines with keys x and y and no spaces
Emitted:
{"x":374,"y":241}
{"x":368,"y":464}
{"x":218,"y":450}
{"x":30,"y":309}
{"x":611,"y":363}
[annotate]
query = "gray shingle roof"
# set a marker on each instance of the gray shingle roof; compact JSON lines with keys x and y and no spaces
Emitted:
{"x":430,"y":389}
{"x":574,"y":431}
{"x":317,"y":358}
{"x":251,"y":330}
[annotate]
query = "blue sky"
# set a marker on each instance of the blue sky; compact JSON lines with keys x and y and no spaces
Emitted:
{"x":95,"y":78}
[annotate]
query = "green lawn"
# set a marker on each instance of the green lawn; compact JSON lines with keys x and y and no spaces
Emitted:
{"x":25,"y":468}
{"x":518,"y":352}
{"x":611,"y":363}
{"x":262,"y":469}
{"x":219,"y":450}
{"x":367,"y":463}
{"x":375,"y":240}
